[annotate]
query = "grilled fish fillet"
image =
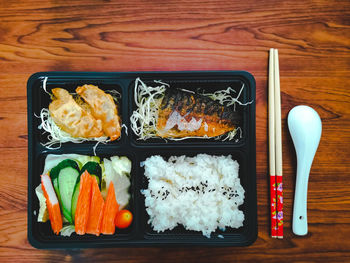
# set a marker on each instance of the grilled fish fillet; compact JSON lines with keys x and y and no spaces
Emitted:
{"x":72,"y":118}
{"x":183,"y":114}
{"x":103,"y":108}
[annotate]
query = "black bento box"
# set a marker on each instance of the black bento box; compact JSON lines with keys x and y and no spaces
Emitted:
{"x":140,"y":232}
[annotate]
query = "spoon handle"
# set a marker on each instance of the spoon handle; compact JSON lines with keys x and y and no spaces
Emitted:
{"x":300,"y":203}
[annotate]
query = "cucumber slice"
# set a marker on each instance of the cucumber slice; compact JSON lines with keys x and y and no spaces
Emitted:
{"x":93,"y":169}
{"x":79,"y":164}
{"x":55,"y":186}
{"x":66,"y":182}
{"x":95,"y":159}
{"x":54,"y":176}
{"x":65,"y":163}
{"x":56,"y":170}
{"x":83,"y":159}
{"x":75,"y":197}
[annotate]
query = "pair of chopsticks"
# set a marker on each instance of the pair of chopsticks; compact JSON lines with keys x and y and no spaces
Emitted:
{"x":275,"y":147}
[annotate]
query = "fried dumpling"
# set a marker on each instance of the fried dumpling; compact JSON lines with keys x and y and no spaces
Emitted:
{"x":72,"y":118}
{"x":103,"y":108}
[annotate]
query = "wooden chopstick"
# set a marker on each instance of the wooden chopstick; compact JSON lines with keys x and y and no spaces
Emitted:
{"x":275,"y":147}
{"x":272,"y":164}
{"x":278,"y":148}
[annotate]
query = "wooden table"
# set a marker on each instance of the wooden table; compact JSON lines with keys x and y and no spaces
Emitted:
{"x":313,"y":39}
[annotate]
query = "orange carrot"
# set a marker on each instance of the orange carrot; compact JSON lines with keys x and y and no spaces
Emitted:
{"x":83,"y":204}
{"x":96,"y":210}
{"x":111,"y":209}
{"x":52,"y":204}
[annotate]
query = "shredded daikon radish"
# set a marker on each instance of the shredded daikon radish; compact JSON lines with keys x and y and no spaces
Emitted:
{"x":148,"y":99}
{"x":56,"y":136}
{"x":144,"y":119}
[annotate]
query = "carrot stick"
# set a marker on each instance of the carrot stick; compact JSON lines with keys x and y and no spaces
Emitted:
{"x":96,"y":210}
{"x":83,"y":204}
{"x":111,"y":209}
{"x":52,"y":204}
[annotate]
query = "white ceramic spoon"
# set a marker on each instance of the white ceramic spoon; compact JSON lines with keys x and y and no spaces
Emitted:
{"x":305,"y":128}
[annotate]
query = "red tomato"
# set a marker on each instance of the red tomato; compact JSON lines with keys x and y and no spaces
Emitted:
{"x":123,"y":219}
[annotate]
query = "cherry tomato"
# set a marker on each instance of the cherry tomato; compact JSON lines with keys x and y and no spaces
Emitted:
{"x":123,"y":219}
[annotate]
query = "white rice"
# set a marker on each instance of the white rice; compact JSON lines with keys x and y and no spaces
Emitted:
{"x":202,"y":193}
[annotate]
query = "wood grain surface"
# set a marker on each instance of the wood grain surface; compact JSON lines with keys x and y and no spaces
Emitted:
{"x":313,"y":39}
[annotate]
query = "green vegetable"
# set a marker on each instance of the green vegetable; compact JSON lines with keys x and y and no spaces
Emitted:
{"x":66,"y":182}
{"x":93,"y":169}
{"x":117,"y":170}
{"x":121,"y":164}
{"x":75,"y":197}
{"x":83,"y":159}
{"x":65,"y":163}
{"x":55,"y":172}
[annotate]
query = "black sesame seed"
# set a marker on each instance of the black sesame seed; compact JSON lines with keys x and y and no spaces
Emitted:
{"x":225,"y":193}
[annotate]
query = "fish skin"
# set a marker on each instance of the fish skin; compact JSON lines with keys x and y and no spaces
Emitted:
{"x":218,"y":118}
